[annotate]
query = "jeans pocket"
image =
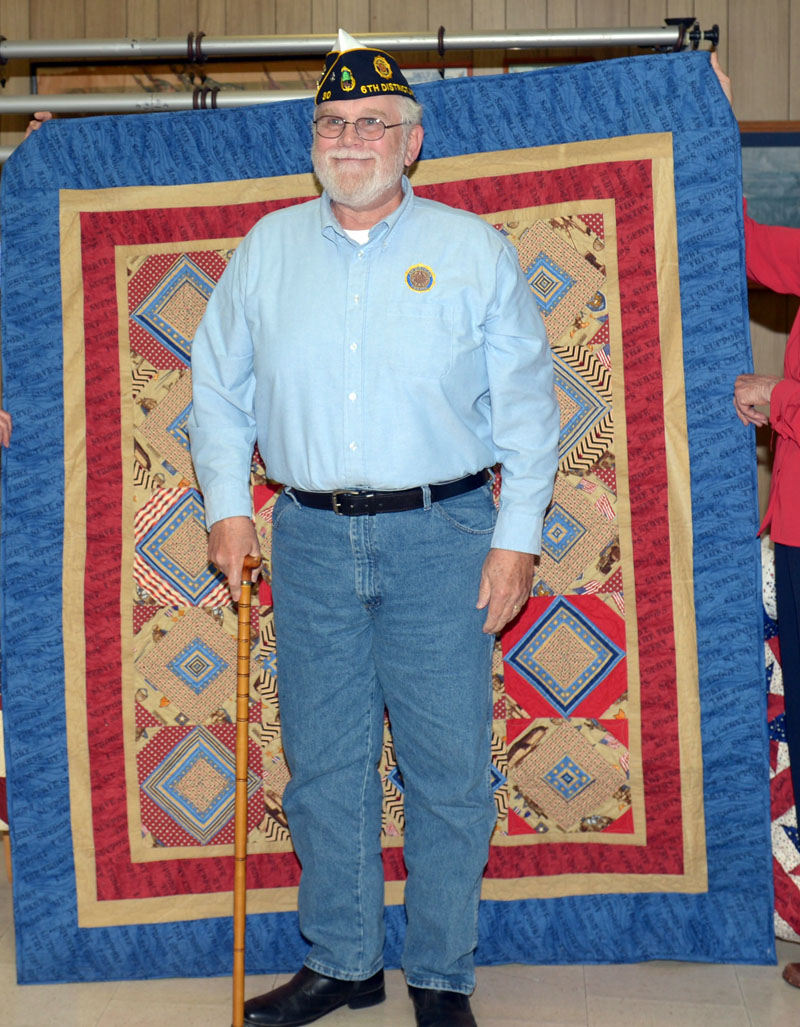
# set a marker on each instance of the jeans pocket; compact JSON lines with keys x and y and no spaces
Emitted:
{"x":282,"y":504}
{"x":473,"y":513}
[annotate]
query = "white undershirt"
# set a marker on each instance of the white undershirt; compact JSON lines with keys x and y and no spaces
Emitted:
{"x":359,"y":235}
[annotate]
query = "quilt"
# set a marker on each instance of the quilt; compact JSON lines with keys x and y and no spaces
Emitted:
{"x":785,"y":836}
{"x":629,"y":694}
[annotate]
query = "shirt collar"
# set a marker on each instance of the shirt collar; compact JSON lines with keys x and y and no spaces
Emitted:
{"x":331,"y":227}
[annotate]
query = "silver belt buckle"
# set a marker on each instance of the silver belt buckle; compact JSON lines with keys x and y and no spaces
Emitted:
{"x":335,"y":499}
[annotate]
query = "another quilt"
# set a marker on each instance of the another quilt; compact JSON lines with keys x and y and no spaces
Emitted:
{"x":628,"y":695}
{"x":785,"y":836}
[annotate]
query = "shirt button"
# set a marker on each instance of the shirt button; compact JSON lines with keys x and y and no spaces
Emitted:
{"x":353,"y":445}
{"x":355,"y":299}
{"x":353,"y":346}
{"x":360,"y":254}
{"x":352,"y":396}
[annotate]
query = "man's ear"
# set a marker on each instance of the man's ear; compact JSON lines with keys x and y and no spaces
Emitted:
{"x":414,"y":144}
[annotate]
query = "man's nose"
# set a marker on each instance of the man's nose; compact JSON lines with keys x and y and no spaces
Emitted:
{"x":350,"y":136}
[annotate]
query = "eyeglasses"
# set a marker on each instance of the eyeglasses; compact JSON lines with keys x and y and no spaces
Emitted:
{"x":330,"y":127}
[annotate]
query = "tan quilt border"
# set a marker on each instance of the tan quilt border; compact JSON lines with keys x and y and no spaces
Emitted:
{"x":658,"y":149}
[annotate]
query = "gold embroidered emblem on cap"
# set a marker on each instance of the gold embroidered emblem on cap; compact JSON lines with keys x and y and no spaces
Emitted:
{"x":420,"y":278}
{"x":382,"y":66}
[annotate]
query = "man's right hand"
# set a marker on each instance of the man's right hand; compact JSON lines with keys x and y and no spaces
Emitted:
{"x":6,"y":426}
{"x":751,"y":391}
{"x":229,"y":542}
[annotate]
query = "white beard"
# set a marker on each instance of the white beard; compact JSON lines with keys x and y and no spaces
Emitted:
{"x":357,"y":186}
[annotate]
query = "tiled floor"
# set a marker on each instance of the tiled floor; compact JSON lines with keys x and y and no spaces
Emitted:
{"x":645,"y":995}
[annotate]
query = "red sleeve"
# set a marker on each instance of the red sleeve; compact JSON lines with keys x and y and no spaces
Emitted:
{"x":784,"y":409}
{"x":772,"y":255}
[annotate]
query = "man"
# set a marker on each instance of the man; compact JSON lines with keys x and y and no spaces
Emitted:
{"x":384,"y":351}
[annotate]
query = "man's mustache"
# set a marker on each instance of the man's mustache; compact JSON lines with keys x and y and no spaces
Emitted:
{"x":344,"y":153}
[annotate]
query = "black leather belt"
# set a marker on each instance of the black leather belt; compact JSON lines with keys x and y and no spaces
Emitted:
{"x":364,"y":503}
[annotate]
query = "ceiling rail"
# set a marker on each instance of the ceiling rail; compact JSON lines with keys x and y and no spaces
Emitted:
{"x":676,"y":34}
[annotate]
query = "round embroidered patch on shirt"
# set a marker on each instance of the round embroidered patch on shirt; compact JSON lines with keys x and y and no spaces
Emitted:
{"x":420,"y":278}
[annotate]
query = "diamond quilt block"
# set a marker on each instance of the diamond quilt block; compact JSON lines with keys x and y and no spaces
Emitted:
{"x":170,"y":551}
{"x":566,"y":657}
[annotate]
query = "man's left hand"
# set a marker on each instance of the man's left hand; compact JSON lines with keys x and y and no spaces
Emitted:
{"x":37,"y":121}
{"x":506,"y":580}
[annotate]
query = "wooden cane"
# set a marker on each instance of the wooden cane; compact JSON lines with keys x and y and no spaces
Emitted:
{"x":240,"y":801}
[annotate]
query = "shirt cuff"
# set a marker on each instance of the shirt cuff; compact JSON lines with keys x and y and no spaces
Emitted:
{"x":520,"y":532}
{"x":233,"y":503}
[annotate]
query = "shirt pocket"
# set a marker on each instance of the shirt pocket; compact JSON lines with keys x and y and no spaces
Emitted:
{"x":419,"y":342}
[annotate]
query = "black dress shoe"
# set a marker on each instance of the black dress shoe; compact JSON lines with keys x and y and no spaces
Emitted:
{"x":441,"y":1008}
{"x":308,"y":996}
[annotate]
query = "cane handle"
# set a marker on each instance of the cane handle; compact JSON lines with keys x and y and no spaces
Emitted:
{"x":250,"y":564}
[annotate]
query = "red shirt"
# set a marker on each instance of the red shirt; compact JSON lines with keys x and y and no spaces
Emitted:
{"x":773,"y":261}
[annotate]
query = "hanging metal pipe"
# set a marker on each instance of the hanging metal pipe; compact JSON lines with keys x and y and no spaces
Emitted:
{"x":201,"y":47}
{"x":196,"y":48}
{"x":131,"y":103}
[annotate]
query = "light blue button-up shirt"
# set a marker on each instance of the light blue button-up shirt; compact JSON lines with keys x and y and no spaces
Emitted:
{"x":417,"y":357}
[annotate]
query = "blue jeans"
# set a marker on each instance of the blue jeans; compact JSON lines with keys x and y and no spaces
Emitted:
{"x":372,"y":612}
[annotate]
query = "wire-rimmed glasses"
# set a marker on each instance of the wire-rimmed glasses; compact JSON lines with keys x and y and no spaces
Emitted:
{"x":330,"y":127}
